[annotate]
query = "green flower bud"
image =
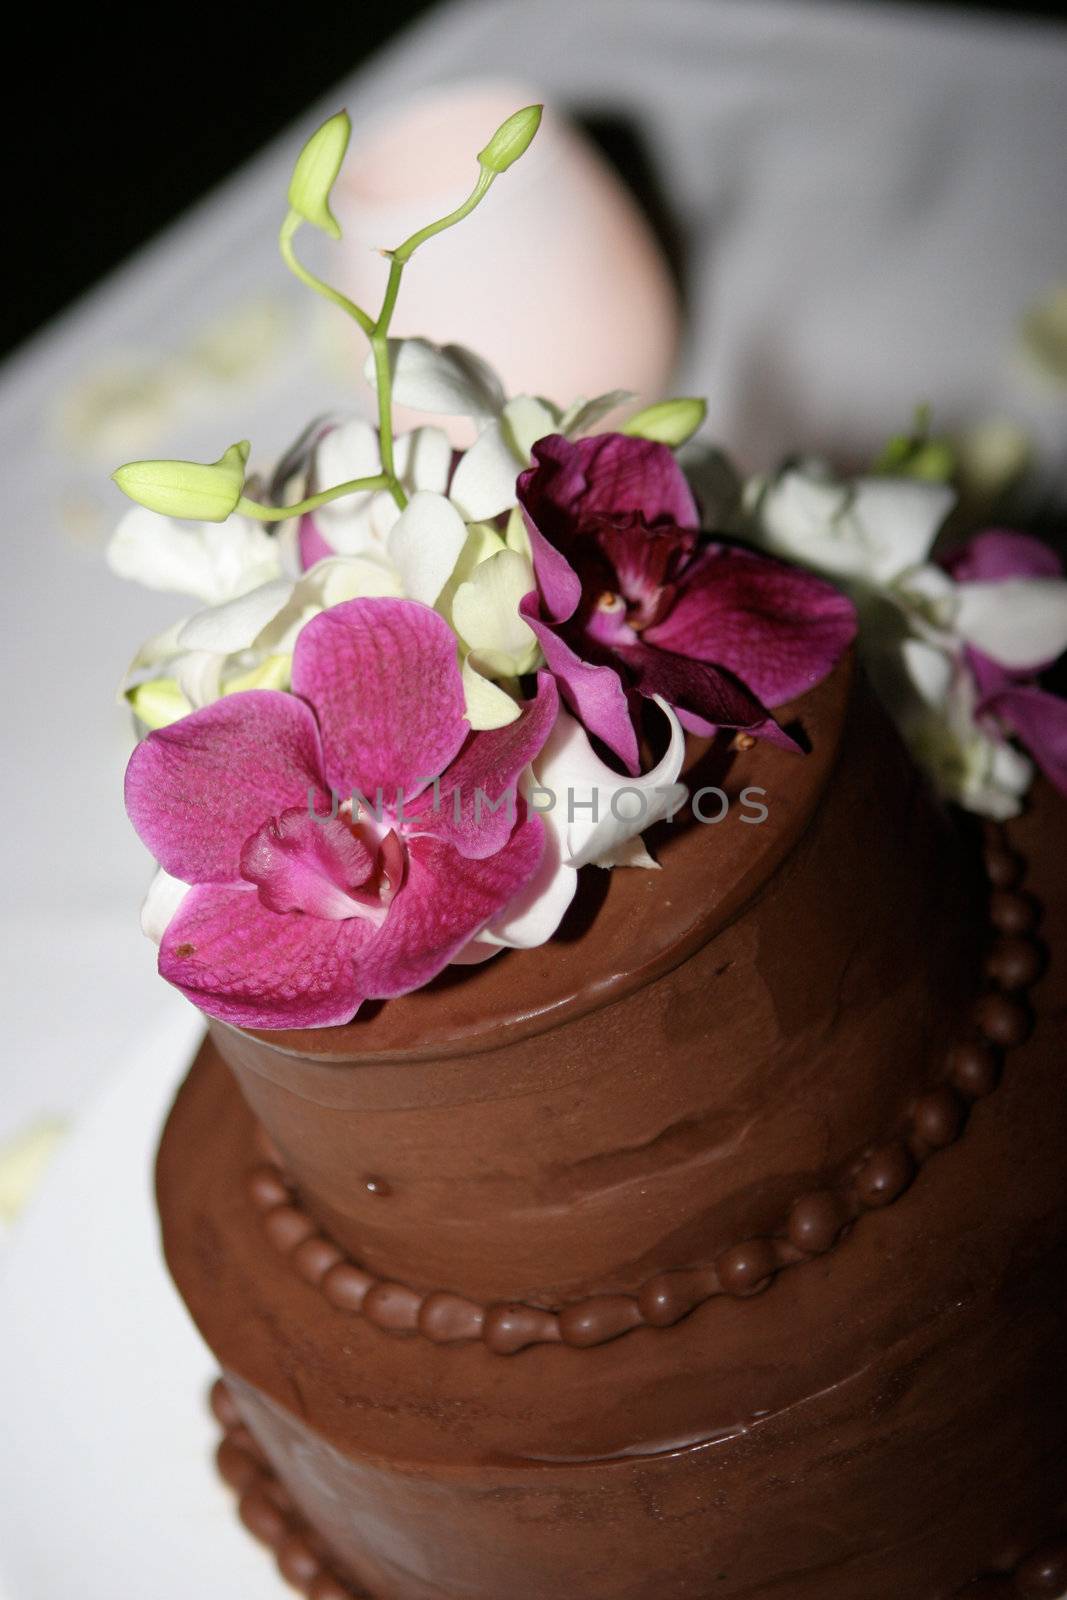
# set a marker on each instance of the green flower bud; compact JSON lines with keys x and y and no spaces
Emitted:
{"x":158,"y":703}
{"x":918,"y":454}
{"x":190,"y":489}
{"x":668,"y":421}
{"x":511,"y":140}
{"x":316,"y":172}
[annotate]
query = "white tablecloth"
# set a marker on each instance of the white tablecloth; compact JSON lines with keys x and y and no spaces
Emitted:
{"x":869,"y":198}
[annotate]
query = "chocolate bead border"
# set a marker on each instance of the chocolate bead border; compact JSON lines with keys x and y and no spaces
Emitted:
{"x":817,"y":1220}
{"x":267,"y":1511}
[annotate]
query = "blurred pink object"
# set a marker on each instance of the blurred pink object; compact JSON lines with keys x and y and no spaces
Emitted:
{"x":556,"y":279}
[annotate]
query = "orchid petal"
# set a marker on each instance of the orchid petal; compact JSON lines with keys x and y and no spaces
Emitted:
{"x":596,"y":694}
{"x":696,"y":687}
{"x":385,"y":683}
{"x":527,"y":419}
{"x":929,"y":669}
{"x":1039,"y":719}
{"x":423,"y":459}
{"x":309,"y":864}
{"x":488,"y":706}
{"x":1019,"y":622}
{"x":594,"y":811}
{"x":1000,"y":553}
{"x":536,"y":912}
{"x":482,"y":542}
{"x":609,"y":474}
{"x":236,"y":624}
{"x":476,"y":805}
{"x":585,"y":414}
{"x":483,"y":484}
{"x":560,"y":585}
{"x":445,"y":903}
{"x":257,"y":968}
{"x":343,"y":453}
{"x":446,"y":379}
{"x":870,"y":531}
{"x":425,"y":544}
{"x":210,"y":561}
{"x":311,"y":542}
{"x":165,"y":895}
{"x":161,"y":647}
{"x":273,"y":672}
{"x":900,"y":519}
{"x":197,"y":790}
{"x":24,"y":1159}
{"x":485,"y":612}
{"x":199,"y":675}
{"x":778,"y":630}
{"x":340,"y":578}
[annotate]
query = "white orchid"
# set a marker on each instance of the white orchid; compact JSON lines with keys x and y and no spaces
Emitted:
{"x":593,"y":816}
{"x":450,"y":380}
{"x":257,"y":597}
{"x":986,"y":775}
{"x":874,"y":536}
{"x":863,"y":534}
{"x":209,"y":561}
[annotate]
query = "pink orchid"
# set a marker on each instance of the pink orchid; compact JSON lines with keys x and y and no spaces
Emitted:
{"x":1011,"y":695}
{"x":634,"y":602}
{"x":294,"y":920}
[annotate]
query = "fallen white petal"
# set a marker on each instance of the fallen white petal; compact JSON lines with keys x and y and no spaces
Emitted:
{"x":23,"y":1161}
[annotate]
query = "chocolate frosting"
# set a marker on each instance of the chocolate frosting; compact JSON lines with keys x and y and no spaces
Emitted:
{"x":762,"y":1017}
{"x":719,"y":1038}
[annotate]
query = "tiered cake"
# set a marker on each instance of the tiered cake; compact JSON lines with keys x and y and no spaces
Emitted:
{"x":717,"y":1255}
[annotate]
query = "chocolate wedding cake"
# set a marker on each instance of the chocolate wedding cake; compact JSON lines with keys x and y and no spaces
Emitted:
{"x":710,"y":1248}
{"x":720,"y":1255}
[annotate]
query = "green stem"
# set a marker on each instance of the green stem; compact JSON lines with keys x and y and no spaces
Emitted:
{"x":383,"y":380}
{"x":262,"y":513}
{"x":405,"y":251}
{"x":285,"y":244}
{"x":379,"y":334}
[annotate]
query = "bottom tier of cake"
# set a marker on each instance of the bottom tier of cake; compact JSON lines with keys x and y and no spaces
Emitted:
{"x":888,"y":1421}
{"x":266,"y":1508}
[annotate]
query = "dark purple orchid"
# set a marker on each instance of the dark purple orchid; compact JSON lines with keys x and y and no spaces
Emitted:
{"x":632,"y":601}
{"x":1011,"y":694}
{"x":292,"y":919}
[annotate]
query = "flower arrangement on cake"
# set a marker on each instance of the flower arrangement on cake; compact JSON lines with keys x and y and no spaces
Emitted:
{"x":422,"y":696}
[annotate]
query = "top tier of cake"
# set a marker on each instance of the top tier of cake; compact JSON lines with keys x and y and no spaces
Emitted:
{"x":700,"y":1047}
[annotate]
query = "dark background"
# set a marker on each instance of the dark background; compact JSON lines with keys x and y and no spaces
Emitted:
{"x":111,"y":128}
